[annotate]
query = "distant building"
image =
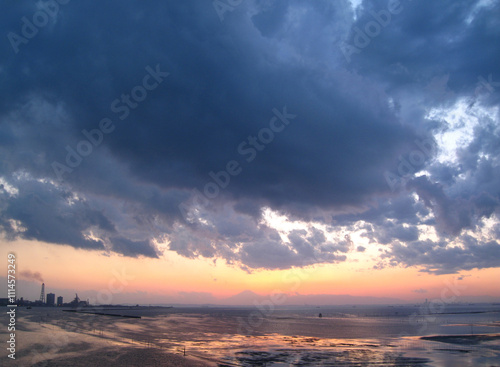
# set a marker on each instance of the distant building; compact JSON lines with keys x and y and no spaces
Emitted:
{"x":51,"y":299}
{"x":59,"y":301}
{"x":77,"y":303}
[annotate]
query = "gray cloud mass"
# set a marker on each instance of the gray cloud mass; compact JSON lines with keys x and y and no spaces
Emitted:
{"x":354,"y":122}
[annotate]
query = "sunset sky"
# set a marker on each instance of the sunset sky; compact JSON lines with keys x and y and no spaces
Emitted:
{"x":219,"y":152}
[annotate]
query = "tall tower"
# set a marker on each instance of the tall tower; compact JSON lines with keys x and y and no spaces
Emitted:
{"x":42,"y":293}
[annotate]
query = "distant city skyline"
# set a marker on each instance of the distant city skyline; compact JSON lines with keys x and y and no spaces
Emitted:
{"x":250,"y":298}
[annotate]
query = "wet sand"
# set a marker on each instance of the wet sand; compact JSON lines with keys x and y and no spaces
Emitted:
{"x":123,"y":356}
{"x":50,"y":337}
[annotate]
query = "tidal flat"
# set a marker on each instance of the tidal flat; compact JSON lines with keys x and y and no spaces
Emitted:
{"x":238,"y":336}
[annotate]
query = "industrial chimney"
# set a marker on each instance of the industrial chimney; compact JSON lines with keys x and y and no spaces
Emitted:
{"x":42,"y":293}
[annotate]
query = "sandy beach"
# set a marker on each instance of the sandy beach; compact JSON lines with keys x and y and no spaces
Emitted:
{"x":49,"y":337}
{"x":213,"y":337}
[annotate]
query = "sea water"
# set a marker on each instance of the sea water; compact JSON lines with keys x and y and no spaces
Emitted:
{"x":298,"y":336}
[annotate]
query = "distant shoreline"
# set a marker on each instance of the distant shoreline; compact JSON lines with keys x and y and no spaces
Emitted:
{"x":473,"y":339}
{"x":103,"y":314}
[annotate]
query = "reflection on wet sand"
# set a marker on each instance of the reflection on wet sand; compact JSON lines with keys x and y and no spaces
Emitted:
{"x":210,"y":337}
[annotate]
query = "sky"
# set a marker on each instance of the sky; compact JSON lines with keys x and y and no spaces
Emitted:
{"x":222,"y":152}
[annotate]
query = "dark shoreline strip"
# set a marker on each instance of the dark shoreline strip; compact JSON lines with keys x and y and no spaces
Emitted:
{"x":462,"y":339}
{"x":104,"y":314}
{"x":465,"y":312}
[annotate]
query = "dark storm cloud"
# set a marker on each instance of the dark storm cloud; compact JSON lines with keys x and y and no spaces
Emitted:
{"x":273,"y":253}
{"x":52,"y":216}
{"x":239,"y":239}
{"x":225,"y":79}
{"x":390,"y":232}
{"x":432,"y":39}
{"x":215,"y":98}
{"x":451,"y":216}
{"x":133,"y":248}
{"x":399,"y":209}
{"x":437,"y":259}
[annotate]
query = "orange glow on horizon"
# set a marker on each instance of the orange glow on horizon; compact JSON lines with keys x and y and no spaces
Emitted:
{"x":173,"y":276}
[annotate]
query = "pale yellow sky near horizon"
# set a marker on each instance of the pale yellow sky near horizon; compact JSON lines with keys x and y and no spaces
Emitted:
{"x":175,"y":279}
